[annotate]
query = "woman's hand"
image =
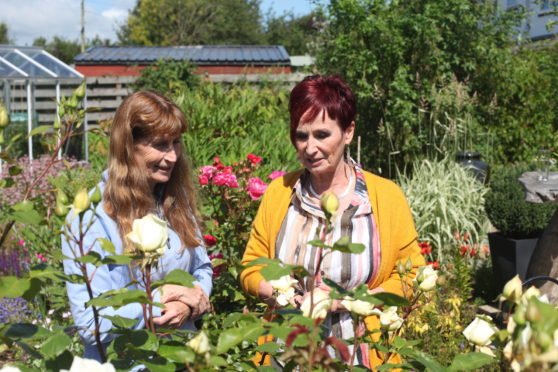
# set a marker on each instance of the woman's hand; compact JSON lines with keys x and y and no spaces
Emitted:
{"x":194,"y":298}
{"x":173,"y":315}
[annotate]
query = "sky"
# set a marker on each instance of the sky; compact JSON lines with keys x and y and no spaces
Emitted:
{"x":29,"y":19}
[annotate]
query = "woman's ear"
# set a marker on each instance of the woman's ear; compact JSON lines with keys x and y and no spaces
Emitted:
{"x":349,"y":133}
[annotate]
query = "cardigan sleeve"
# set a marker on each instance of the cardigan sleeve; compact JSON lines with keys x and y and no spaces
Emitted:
{"x":259,"y":245}
{"x":400,"y":239}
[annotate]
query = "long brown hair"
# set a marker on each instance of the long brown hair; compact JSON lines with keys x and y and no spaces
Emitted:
{"x":127,"y":196}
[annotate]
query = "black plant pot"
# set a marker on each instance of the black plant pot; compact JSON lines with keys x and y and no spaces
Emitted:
{"x":509,"y":257}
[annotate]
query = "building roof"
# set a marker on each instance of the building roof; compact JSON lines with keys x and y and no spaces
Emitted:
{"x":265,"y":55}
{"x":20,"y":62}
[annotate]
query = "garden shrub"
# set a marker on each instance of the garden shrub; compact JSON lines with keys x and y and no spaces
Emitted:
{"x":445,"y":199}
{"x":167,"y":77}
{"x":231,"y":122}
{"x":506,"y":206}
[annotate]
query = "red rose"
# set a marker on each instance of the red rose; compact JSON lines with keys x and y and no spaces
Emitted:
{"x":209,"y":240}
{"x":254,"y":159}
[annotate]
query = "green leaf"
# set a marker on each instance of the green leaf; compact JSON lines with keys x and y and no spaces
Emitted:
{"x":232,"y":337}
{"x":318,"y":243}
{"x":178,"y":277}
{"x":25,"y":330}
{"x":117,"y":260}
{"x":55,"y":345}
{"x":159,"y":365}
{"x":107,"y":245}
{"x":120,"y":297}
{"x":391,"y":299}
{"x":6,"y":182}
{"x":176,"y":352}
{"x":91,"y":257}
{"x":470,"y":361}
{"x":144,"y":340}
{"x":26,"y":205}
{"x":39,"y":130}
{"x":426,"y":360}
{"x":268,"y":347}
{"x":121,"y":321}
{"x":217,"y":361}
{"x":29,"y":217}
{"x":12,"y":286}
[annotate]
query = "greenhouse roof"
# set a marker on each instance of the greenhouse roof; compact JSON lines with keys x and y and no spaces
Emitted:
{"x":33,"y":63}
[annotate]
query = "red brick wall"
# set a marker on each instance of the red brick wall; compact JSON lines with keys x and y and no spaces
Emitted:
{"x":122,"y":70}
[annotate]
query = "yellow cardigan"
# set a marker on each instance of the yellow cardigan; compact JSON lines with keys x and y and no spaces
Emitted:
{"x":398,"y":237}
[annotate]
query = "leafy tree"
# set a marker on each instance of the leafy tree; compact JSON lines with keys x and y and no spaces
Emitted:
{"x":4,"y":35}
{"x":61,"y":48}
{"x":297,"y":34}
{"x":167,"y":77}
{"x":191,"y":22}
{"x":404,"y":57}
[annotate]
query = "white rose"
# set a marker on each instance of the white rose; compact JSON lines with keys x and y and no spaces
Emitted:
{"x":359,"y":307}
{"x":283,"y":283}
{"x":89,"y":365}
{"x":149,"y":234}
{"x":508,"y":350}
{"x":512,"y":290}
{"x":200,"y":343}
{"x":479,"y":332}
{"x":322,"y":304}
{"x":10,"y":369}
{"x":426,"y":278}
{"x":390,"y":320}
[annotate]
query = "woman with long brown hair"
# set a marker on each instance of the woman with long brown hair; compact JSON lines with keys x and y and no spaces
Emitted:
{"x":148,"y":173}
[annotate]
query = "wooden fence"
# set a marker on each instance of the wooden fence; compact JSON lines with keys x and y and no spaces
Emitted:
{"x":105,"y":93}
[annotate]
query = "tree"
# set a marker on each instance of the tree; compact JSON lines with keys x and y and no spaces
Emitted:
{"x":192,"y":22}
{"x":422,"y":70}
{"x":297,"y":34}
{"x":4,"y":35}
{"x":66,"y":50}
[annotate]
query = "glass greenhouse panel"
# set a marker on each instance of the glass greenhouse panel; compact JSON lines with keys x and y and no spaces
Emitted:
{"x":25,"y":65}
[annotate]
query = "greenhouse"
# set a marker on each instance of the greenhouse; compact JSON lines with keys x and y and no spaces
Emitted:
{"x":32,"y":83}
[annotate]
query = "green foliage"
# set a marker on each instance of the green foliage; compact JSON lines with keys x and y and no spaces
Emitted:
{"x":506,"y":206}
{"x":235,"y":121}
{"x":192,"y":22}
{"x":167,"y":77}
{"x":297,"y":34}
{"x":429,"y":79}
{"x":445,"y":199}
{"x":4,"y":34}
{"x":63,"y":49}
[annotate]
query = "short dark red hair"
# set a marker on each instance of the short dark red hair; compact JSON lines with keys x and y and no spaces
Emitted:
{"x":317,"y":94}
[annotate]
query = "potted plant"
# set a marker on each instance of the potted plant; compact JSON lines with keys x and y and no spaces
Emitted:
{"x":518,"y":223}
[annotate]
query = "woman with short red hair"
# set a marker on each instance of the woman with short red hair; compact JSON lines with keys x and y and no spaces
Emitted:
{"x":372,"y":211}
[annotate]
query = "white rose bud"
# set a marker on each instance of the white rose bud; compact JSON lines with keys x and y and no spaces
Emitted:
{"x":359,"y":307}
{"x":426,"y":278}
{"x":390,"y":320}
{"x":479,"y":332}
{"x":149,"y":234}
{"x":200,"y":343}
{"x":322,"y":304}
{"x":329,"y":202}
{"x":530,"y":292}
{"x":81,"y":202}
{"x":89,"y":365}
{"x":10,"y":369}
{"x":512,"y":290}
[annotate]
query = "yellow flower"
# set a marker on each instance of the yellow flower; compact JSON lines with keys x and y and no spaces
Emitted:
{"x":329,"y":202}
{"x":512,"y":290}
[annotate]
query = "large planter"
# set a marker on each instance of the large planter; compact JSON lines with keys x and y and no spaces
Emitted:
{"x":509,"y":257}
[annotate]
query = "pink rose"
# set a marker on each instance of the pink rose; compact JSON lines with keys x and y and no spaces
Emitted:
{"x":276,"y":174}
{"x":208,"y":171}
{"x":256,"y":187}
{"x":203,"y":180}
{"x":226,"y":179}
{"x":254,"y":159}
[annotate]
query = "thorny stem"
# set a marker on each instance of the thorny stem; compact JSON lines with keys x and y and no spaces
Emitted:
{"x":83,"y":267}
{"x":356,"y":322}
{"x":150,"y":325}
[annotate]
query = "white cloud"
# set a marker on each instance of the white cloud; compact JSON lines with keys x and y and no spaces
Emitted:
{"x":30,"y":19}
